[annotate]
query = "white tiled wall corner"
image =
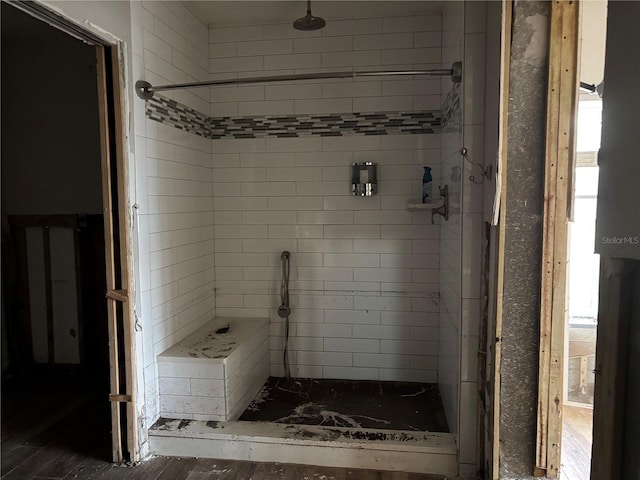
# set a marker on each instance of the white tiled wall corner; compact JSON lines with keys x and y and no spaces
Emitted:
{"x":468,"y":426}
{"x":472,"y":224}
{"x":450,"y":233}
{"x":173,"y":188}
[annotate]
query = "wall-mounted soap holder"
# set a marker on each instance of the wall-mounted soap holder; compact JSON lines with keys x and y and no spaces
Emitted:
{"x":364,"y":179}
{"x":437,"y":207}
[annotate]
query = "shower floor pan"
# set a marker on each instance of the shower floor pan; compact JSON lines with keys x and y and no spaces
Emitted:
{"x":349,"y":403}
{"x":352,"y":424}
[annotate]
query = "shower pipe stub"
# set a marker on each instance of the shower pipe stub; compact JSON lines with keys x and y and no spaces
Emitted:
{"x":145,"y":90}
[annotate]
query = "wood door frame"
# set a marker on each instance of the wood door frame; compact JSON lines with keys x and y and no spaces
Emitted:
{"x":494,"y":346}
{"x":562,"y":97}
{"x":110,"y":77}
{"x":120,"y":312}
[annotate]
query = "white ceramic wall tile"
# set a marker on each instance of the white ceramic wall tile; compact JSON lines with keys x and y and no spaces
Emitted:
{"x":474,"y":57}
{"x":416,"y":23}
{"x":450,"y":259}
{"x":342,"y":359}
{"x":284,"y":30}
{"x":297,"y":60}
{"x":383,"y":41}
{"x":343,"y":158}
{"x":410,"y":87}
{"x":324,"y":106}
{"x":345,"y":245}
{"x":220,"y":50}
{"x":273,"y":189}
{"x":368,"y":317}
{"x":246,"y":93}
{"x":472,"y":244}
{"x":468,"y":409}
{"x":175,"y":189}
{"x":469,"y":358}
{"x":293,"y":92}
{"x":351,"y":59}
{"x":236,"y":34}
{"x":264,"y":47}
{"x":409,"y":318}
{"x":265,"y":160}
{"x":351,"y":89}
{"x":323,"y":44}
{"x":351,"y":373}
{"x":353,"y":27}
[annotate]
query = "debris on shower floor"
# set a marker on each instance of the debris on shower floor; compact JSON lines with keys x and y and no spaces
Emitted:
{"x":348,"y":403}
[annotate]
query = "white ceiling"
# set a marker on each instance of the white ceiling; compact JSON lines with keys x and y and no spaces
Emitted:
{"x":241,"y":12}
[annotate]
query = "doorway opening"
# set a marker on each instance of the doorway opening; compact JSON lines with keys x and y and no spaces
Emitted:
{"x":584,"y":265}
{"x":59,"y":217}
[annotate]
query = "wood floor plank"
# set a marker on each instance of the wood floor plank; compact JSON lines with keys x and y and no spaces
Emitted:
{"x":323,"y":473}
{"x":148,"y":469}
{"x":577,"y":435}
{"x":86,"y":472}
{"x":13,"y":457}
{"x":277,"y":471}
{"x":177,"y":468}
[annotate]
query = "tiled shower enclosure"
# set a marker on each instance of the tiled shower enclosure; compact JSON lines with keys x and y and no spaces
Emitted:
{"x":228,"y":177}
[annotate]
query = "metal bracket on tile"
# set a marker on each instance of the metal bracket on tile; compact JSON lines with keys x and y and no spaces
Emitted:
{"x":487,"y":172}
{"x":443,"y":209}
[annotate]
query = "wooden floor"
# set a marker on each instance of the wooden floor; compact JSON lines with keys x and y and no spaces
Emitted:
{"x":59,"y":429}
{"x":577,"y":437}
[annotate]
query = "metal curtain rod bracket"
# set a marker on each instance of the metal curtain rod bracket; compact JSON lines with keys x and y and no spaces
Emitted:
{"x":145,"y":90}
{"x":588,"y":87}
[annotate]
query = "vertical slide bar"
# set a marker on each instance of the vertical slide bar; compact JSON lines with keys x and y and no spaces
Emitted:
{"x":116,"y":435}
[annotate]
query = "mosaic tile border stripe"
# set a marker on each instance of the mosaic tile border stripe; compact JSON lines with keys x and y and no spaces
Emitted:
{"x":451,"y":109}
{"x":170,"y":112}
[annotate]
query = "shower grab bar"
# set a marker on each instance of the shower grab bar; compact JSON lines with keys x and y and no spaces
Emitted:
{"x":145,"y":90}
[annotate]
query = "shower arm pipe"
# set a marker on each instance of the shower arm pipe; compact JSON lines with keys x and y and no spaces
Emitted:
{"x":145,"y":90}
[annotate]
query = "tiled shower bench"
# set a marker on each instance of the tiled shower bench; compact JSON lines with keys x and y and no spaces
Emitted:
{"x":214,"y":376}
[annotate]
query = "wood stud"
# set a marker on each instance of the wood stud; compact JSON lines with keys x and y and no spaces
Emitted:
{"x":105,"y":154}
{"x":562,"y":95}
{"x":492,"y":454}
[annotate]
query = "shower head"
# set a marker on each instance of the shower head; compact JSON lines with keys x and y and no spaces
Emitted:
{"x":309,"y":22}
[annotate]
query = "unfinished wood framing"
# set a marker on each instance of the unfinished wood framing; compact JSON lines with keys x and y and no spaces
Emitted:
{"x":118,"y":255}
{"x":105,"y":162}
{"x":492,"y":454}
{"x":559,"y":163}
{"x":117,"y":62}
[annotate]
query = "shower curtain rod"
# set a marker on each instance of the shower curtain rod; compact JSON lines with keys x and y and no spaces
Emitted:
{"x":145,"y":90}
